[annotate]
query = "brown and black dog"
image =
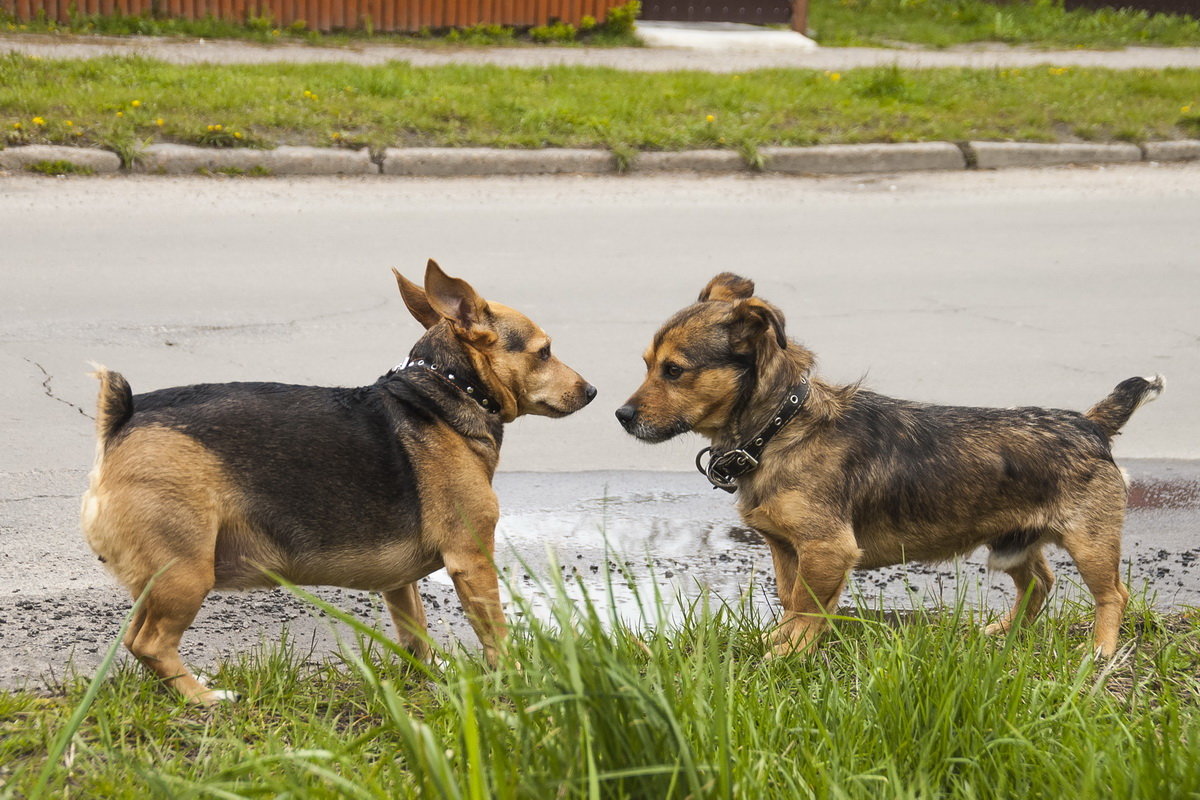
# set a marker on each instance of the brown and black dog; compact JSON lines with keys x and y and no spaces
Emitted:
{"x":837,"y":478}
{"x":212,"y":486}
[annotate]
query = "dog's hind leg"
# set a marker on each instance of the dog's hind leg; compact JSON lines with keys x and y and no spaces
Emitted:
{"x":1033,"y":579}
{"x":170,"y":606}
{"x":408,"y":614}
{"x":1095,"y":546}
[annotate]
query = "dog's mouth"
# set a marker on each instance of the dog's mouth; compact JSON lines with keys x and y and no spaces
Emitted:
{"x":545,"y":408}
{"x":653,"y":434}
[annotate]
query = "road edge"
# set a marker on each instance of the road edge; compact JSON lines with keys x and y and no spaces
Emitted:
{"x":837,"y":159}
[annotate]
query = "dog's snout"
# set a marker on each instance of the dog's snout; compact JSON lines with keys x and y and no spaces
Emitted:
{"x":625,"y":414}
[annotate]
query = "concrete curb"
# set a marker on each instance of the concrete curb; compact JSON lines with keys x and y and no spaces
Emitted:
{"x":1186,"y":150}
{"x":690,"y":161}
{"x":176,"y":159}
{"x":839,"y":159}
{"x":464,"y":161}
{"x":994,"y":155}
{"x":22,"y":158}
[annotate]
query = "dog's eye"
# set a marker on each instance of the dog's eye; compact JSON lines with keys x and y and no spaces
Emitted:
{"x":544,"y":353}
{"x":672,"y":370}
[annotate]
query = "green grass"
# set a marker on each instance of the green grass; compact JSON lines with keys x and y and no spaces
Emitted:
{"x":941,"y":23}
{"x":59,"y":167}
{"x":587,"y":706}
{"x":122,"y":103}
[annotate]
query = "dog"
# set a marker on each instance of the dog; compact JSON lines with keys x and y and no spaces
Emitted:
{"x":220,"y":486}
{"x":837,"y":478}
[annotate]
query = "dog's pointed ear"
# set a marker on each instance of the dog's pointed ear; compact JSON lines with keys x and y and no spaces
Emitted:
{"x":454,"y":299}
{"x":416,"y":301}
{"x":727,"y":287}
{"x":755,"y":320}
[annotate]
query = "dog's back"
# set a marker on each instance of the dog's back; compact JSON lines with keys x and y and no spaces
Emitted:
{"x":932,"y":482}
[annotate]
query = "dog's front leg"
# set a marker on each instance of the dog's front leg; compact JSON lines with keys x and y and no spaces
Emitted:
{"x":822,"y":569}
{"x":408,"y":614}
{"x":813,"y":555}
{"x":478,"y":587}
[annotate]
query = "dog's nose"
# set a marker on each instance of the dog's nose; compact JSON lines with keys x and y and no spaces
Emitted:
{"x":589,"y":391}
{"x":625,"y":414}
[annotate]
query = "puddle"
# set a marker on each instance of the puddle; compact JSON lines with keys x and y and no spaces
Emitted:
{"x":679,"y":541}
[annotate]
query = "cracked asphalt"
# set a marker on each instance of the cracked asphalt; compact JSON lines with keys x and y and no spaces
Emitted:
{"x":1010,"y":288}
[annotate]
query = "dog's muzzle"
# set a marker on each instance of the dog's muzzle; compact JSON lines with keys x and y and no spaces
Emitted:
{"x":626,"y":414}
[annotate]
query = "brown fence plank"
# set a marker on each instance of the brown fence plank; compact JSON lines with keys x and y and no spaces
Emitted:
{"x":385,"y":15}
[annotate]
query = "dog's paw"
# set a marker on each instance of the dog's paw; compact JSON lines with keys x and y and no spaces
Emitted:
{"x":996,"y":628}
{"x":216,"y":697}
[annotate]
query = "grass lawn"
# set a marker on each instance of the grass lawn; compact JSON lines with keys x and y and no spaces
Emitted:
{"x":123,"y":103}
{"x":1044,"y":23}
{"x":586,"y":706}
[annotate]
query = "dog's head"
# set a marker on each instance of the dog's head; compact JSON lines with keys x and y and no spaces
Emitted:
{"x":703,"y":360}
{"x":509,"y":352}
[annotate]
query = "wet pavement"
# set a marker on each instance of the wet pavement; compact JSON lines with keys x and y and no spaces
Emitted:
{"x":1005,"y":288}
{"x":621,"y":537}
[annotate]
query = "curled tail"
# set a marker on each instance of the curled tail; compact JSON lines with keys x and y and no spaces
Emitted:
{"x":1115,"y":410}
{"x":114,"y":406}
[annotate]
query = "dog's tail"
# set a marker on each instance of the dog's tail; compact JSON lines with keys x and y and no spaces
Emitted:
{"x":114,"y":406}
{"x":1114,"y":411}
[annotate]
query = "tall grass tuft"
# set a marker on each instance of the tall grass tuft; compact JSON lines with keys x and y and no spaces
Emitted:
{"x":679,"y":701}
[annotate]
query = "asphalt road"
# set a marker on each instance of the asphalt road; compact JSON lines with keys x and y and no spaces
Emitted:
{"x":1009,"y":288}
{"x":715,"y":58}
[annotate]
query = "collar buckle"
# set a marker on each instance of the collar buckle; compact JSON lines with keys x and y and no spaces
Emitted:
{"x":723,"y":470}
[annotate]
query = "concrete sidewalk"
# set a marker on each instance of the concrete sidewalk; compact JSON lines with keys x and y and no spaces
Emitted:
{"x":642,"y":59}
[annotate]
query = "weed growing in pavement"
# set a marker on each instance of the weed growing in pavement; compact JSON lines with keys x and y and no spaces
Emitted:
{"x":59,"y":167}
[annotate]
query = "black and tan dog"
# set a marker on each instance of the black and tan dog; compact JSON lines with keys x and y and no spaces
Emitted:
{"x":210,"y":486}
{"x":837,"y":478}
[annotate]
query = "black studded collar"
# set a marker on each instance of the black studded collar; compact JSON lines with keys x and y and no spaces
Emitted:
{"x":723,"y":469}
{"x":446,"y":373}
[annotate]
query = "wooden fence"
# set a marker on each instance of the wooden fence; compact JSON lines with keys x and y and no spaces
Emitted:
{"x":326,"y":15}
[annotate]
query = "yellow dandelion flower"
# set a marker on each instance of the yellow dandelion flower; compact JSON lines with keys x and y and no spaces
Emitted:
{"x":159,"y":122}
{"x":120,"y":113}
{"x":237,"y":134}
{"x":136,"y":103}
{"x":17,"y":126}
{"x":710,"y":118}
{"x":1185,"y":109}
{"x":79,"y":133}
{"x":39,"y":121}
{"x":835,"y":76}
{"x":68,"y":123}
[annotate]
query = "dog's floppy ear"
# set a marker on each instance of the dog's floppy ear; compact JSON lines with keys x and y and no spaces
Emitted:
{"x":417,"y":302}
{"x":755,"y":318}
{"x":728,"y":287}
{"x":455,"y":300}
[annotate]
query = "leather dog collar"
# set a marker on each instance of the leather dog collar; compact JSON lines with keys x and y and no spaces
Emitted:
{"x":476,"y":393}
{"x":723,"y":469}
